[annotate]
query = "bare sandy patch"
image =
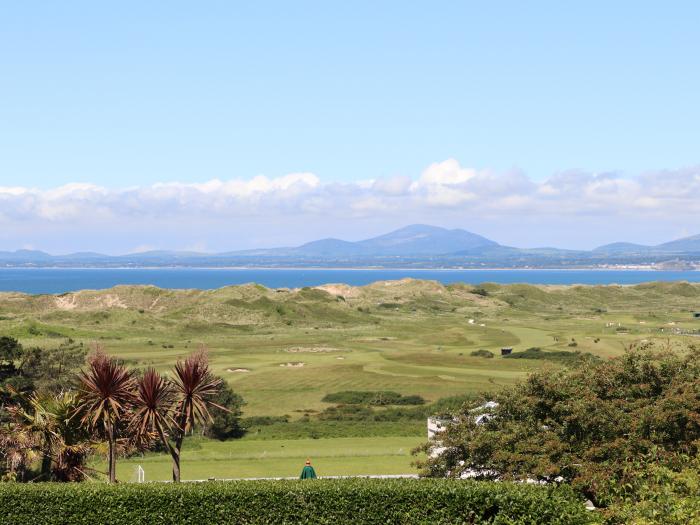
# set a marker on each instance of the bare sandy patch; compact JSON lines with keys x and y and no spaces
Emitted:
{"x":113,"y":301}
{"x":67,"y":302}
{"x":311,"y":349}
{"x":238,"y":370}
{"x":296,"y":364}
{"x":339,"y":289}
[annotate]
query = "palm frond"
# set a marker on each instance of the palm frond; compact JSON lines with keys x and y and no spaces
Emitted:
{"x":195,"y":386}
{"x":106,"y":391}
{"x":152,"y":405}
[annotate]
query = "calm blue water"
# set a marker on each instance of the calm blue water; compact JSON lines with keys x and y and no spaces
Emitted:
{"x":57,"y":280}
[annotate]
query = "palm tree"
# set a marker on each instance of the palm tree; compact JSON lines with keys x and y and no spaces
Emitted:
{"x":106,"y":396}
{"x":38,"y":420}
{"x":168,"y":410}
{"x":71,"y":444}
{"x":153,"y":406}
{"x":43,"y":426}
{"x":194,"y":387}
{"x":18,"y":449}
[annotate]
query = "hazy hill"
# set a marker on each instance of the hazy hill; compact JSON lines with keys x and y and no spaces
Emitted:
{"x":679,"y":246}
{"x":417,"y":245}
{"x":622,"y":247}
{"x":685,"y":245}
{"x":417,"y":239}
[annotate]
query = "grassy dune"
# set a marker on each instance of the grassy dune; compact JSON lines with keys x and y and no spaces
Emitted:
{"x":283,"y":350}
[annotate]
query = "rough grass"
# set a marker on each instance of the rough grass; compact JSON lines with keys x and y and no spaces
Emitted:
{"x":420,"y":345}
{"x":410,"y":337}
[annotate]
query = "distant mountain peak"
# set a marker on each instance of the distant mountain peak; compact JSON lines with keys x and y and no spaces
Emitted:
{"x":420,"y":244}
{"x":621,"y":247}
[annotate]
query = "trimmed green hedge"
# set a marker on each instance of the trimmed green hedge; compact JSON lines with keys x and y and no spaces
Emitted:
{"x":356,"y":501}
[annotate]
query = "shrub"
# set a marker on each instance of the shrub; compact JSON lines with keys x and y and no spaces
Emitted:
{"x":373,"y":398}
{"x":261,"y":421}
{"x":553,"y":355}
{"x":226,"y":423}
{"x":482,"y":353}
{"x":312,"y":428}
{"x":603,"y":426}
{"x":357,"y":501}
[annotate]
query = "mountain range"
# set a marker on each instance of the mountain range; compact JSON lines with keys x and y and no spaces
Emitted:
{"x":417,"y":245}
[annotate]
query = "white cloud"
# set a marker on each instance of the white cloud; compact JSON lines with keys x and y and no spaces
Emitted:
{"x":445,"y":192}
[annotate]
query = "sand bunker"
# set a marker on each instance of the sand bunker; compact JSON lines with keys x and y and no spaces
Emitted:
{"x":297,"y":364}
{"x":238,"y":370}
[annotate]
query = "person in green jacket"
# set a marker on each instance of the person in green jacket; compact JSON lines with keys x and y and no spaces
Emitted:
{"x":308,"y":471}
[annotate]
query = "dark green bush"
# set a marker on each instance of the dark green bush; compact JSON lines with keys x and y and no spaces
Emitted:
{"x":261,"y":421}
{"x":373,"y":398}
{"x":314,"y":429}
{"x":551,"y":355}
{"x":356,"y":501}
{"x":622,"y":431}
{"x":482,"y":353}
{"x":365,"y":413}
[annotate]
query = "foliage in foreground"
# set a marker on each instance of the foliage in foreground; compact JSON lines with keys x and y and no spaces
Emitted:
{"x":609,"y":428}
{"x":360,"y":501}
{"x":129,"y":410}
{"x":657,"y":494}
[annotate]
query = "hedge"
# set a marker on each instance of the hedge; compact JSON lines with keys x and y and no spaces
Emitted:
{"x":356,"y":501}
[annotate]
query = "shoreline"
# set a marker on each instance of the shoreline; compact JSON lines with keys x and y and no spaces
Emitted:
{"x":644,"y":268}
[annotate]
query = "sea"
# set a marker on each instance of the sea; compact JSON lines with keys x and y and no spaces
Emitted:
{"x":62,"y":280}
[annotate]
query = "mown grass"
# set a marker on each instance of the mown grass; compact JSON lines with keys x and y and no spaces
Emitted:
{"x":251,"y":458}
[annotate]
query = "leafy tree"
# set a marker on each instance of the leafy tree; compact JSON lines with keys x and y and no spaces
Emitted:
{"x":51,"y":369}
{"x":596,"y":425}
{"x":10,"y":351}
{"x":226,"y":424}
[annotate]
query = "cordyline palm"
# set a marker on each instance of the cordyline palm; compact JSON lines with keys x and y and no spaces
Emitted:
{"x":170,"y":409}
{"x":153,"y":406}
{"x":106,"y":396}
{"x":194,"y":386}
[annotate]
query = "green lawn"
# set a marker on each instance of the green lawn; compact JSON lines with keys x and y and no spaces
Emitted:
{"x":247,"y":458}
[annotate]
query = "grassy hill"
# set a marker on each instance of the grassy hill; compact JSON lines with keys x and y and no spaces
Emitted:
{"x":283,"y":350}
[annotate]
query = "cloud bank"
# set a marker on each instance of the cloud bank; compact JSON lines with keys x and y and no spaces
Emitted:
{"x":297,"y":207}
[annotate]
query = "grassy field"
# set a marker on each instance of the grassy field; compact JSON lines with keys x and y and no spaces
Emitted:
{"x":245,"y":458}
{"x":283,"y":350}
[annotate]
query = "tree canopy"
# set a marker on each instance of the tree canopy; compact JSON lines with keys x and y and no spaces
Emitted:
{"x":600,"y":425}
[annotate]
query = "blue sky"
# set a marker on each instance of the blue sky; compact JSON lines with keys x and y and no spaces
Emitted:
{"x":135,"y":94}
